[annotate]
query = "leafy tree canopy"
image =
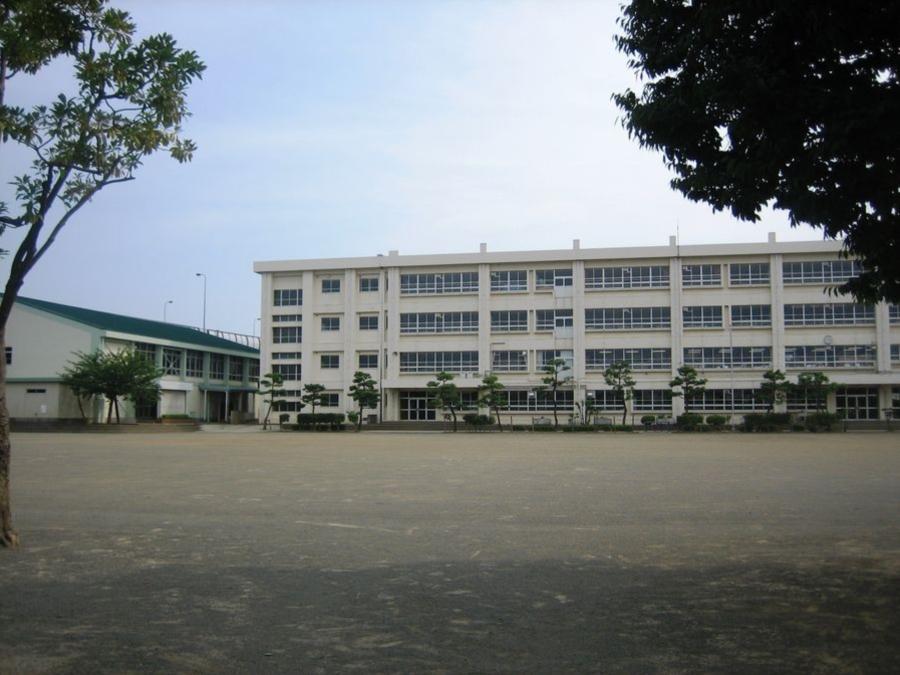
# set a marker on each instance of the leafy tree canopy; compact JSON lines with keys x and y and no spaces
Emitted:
{"x":492,"y":395}
{"x":618,"y":377}
{"x":444,"y":394}
{"x":364,"y":391}
{"x":115,"y":375}
{"x":789,"y":104}
{"x":271,"y":386}
{"x":688,"y":384}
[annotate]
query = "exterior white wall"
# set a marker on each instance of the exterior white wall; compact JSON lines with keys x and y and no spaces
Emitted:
{"x":44,"y":344}
{"x":389,"y":303}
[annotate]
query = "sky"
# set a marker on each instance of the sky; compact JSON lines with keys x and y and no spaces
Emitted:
{"x":336,"y":128}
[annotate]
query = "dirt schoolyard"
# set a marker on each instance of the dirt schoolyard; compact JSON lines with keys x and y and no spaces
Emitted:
{"x":420,"y":552}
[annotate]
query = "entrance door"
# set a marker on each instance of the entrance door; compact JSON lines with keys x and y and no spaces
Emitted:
{"x":414,"y":406}
{"x":857,"y":403}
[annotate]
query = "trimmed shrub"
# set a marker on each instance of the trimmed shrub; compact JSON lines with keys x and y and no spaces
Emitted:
{"x":688,"y":421}
{"x":763,"y":422}
{"x":320,"y":421}
{"x":475,"y":420}
{"x":648,"y":420}
{"x":716,"y":422}
{"x":821,"y":421}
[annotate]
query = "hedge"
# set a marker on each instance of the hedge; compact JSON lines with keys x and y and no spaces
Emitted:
{"x":320,"y":421}
{"x":762,"y":422}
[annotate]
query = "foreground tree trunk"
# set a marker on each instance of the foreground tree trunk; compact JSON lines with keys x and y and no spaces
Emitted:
{"x":499,"y":423}
{"x":8,"y":536}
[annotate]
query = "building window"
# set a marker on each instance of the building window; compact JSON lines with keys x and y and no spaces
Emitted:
{"x":800,"y":401}
{"x":147,"y":350}
{"x":368,"y":361}
{"x":627,"y":318}
{"x":545,"y":356}
{"x":286,"y":334}
{"x":895,"y":354}
{"x":288,"y":297}
{"x":702,"y":316}
{"x":331,"y":285}
{"x":171,"y":361}
{"x":509,"y":281}
{"x":330,"y":400}
{"x":651,"y":400}
{"x":541,"y":400}
{"x":287,"y":318}
{"x":436,"y":284}
{"x":748,"y":274}
{"x":331,"y":323}
{"x":435,"y":362}
{"x":513,"y":361}
{"x":751,"y":316}
{"x":290,"y":372}
{"x":829,"y":314}
{"x":285,"y":356}
{"x":254,"y":370}
{"x":707,"y":358}
{"x":8,"y":355}
{"x":548,"y":319}
{"x":729,"y":399}
{"x":512,"y":321}
{"x":368,"y":322}
{"x":194,"y":364}
{"x":820,"y":272}
{"x":645,"y":276}
{"x":636,"y":358}
{"x":550,"y":278}
{"x":894,"y":314}
{"x":236,"y":369}
{"x":830,"y":356}
{"x":287,"y":406}
{"x":701,"y":275}
{"x":607,"y":399}
{"x":330,"y":361}
{"x":439,"y":322}
{"x":216,"y":367}
{"x":368,"y":284}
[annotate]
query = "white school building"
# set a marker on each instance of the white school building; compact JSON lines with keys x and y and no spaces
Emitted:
{"x":732,"y":311}
{"x":204,"y":376}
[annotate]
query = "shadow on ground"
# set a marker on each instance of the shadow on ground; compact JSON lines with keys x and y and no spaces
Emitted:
{"x":574,"y":616}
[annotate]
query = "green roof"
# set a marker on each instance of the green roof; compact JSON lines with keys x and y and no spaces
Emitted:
{"x":138,"y":327}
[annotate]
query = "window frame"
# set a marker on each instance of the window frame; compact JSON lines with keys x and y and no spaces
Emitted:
{"x":330,"y":285}
{"x":701,"y":275}
{"x":329,"y":361}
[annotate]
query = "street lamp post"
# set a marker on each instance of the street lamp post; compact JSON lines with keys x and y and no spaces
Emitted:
{"x":201,"y":274}
{"x":165,"y":307}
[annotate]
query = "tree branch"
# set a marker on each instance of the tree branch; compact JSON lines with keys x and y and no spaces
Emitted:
{"x":85,"y":198}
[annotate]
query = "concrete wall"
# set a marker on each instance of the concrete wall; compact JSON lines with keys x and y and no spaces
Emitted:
{"x":389,"y":304}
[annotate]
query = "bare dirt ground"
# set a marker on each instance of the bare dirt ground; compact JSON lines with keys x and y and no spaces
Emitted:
{"x":384,"y":552}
